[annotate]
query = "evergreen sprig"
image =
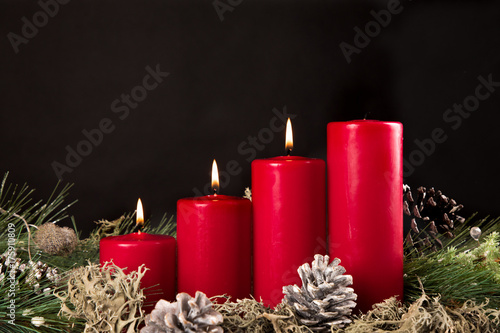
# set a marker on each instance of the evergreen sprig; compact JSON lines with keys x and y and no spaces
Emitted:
{"x":27,"y":298}
{"x":464,"y":269}
{"x":17,"y":208}
{"x":126,"y":224}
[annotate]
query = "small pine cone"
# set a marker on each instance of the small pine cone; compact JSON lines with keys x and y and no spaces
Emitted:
{"x":433,"y":211}
{"x":324,"y":301}
{"x":31,"y":273}
{"x":11,"y":265}
{"x":52,"y":239}
{"x":188,"y":314}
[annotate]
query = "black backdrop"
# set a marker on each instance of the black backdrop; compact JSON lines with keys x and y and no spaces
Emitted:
{"x":233,"y":67}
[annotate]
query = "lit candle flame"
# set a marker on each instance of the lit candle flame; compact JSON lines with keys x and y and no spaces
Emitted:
{"x":215,"y":178}
{"x":289,"y":137}
{"x":139,"y":215}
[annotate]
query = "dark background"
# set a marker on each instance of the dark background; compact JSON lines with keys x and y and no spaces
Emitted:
{"x":225,"y":79}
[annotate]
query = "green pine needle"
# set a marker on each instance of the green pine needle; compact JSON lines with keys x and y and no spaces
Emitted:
{"x":463,"y":270}
{"x":29,"y":303}
{"x":18,"y":209}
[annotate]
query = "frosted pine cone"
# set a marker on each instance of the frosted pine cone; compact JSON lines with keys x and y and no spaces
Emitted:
{"x":188,"y":314}
{"x":31,"y":273}
{"x":324,"y":299}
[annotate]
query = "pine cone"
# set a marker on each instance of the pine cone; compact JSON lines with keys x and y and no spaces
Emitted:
{"x":433,"y":211}
{"x":188,"y":314}
{"x":11,"y":265}
{"x":324,"y":299}
{"x":31,"y":273}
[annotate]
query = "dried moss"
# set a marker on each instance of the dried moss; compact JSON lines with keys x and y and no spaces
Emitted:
{"x":427,"y":314}
{"x":105,"y":297}
{"x":108,"y":228}
{"x":424,"y":315}
{"x":248,"y":315}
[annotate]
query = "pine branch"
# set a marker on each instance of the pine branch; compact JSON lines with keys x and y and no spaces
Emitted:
{"x":126,"y":224}
{"x":17,"y":208}
{"x":464,"y":269}
{"x":2,"y":211}
{"x":463,"y":238}
{"x":167,"y":226}
{"x":28,"y":299}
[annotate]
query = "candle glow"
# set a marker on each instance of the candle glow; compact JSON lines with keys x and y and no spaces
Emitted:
{"x":139,"y":214}
{"x":215,"y":177}
{"x":289,"y":137}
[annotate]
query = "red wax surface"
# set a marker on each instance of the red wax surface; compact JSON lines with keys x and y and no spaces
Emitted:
{"x":365,"y":205}
{"x":288,"y":194}
{"x":157,"y":252}
{"x":214,"y":237}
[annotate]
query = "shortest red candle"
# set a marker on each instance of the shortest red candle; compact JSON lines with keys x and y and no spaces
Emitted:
{"x":156,"y":252}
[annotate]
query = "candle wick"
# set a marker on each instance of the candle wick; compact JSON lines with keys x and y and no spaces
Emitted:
{"x":215,"y":191}
{"x":366,"y":115}
{"x":288,"y":152}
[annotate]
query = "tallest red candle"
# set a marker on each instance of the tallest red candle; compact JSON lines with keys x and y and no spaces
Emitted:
{"x":365,"y":205}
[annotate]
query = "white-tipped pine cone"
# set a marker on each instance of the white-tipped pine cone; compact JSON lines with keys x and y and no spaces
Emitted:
{"x":325,"y":300}
{"x":188,"y":314}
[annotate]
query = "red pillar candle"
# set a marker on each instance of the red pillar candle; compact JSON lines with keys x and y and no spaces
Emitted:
{"x":156,"y":252}
{"x":288,"y":194}
{"x":214,"y":244}
{"x":365,"y":206}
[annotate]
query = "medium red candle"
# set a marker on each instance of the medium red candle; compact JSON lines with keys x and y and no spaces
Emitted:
{"x":215,"y":244}
{"x":288,"y":194}
{"x":365,"y":206}
{"x":156,"y":252}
